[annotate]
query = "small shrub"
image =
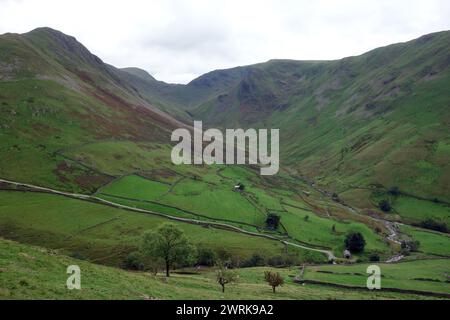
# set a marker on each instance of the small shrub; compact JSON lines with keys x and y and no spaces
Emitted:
{"x":395,"y":191}
{"x":374,"y":257}
{"x":134,"y":261}
{"x":256,"y":260}
{"x":206,"y":257}
{"x":276,"y":261}
{"x":385,"y":206}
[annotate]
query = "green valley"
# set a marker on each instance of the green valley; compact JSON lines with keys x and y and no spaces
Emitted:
{"x":85,"y":172}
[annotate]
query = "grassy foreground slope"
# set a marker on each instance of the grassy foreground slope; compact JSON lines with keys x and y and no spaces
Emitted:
{"x":35,"y":273}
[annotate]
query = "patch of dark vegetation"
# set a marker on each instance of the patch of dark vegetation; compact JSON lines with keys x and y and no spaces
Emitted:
{"x":385,"y":206}
{"x":434,"y":225}
{"x":272,"y":221}
{"x":78,"y":256}
{"x":134,"y":261}
{"x":256,"y":260}
{"x":395,"y":191}
{"x":206,"y":257}
{"x":355,"y":242}
{"x":374,"y":257}
{"x":283,"y":261}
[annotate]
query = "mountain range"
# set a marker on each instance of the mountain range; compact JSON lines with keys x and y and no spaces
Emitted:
{"x":379,"y":120}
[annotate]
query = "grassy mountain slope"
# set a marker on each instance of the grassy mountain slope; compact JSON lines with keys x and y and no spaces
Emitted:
{"x":356,"y":126}
{"x":380,"y":119}
{"x":53,"y":94}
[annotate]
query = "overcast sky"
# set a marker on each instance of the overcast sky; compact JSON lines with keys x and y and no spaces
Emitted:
{"x":177,"y":40}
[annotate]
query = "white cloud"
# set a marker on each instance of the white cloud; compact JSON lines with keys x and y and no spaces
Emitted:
{"x":178,"y":40}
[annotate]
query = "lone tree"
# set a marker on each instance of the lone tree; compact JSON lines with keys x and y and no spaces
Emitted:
{"x":169,"y":244}
{"x":225,"y":276}
{"x":272,"y":221}
{"x":355,"y":242}
{"x":274,"y":279}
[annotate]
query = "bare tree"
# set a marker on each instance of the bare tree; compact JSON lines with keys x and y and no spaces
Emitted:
{"x":274,"y":279}
{"x":225,"y":276}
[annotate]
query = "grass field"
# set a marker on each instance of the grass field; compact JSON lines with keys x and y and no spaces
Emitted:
{"x":416,"y":210}
{"x":426,"y":275}
{"x":106,"y":235}
{"x":218,"y":201}
{"x":430,"y":242}
{"x":318,"y":230}
{"x":28,"y":272}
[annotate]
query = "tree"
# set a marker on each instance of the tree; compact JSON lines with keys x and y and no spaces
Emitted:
{"x":223,"y":256}
{"x":225,"y":276}
{"x":306,"y":218}
{"x":385,"y":206}
{"x":274,"y":279}
{"x":169,"y":244}
{"x":206,"y":257}
{"x":272,"y":221}
{"x":355,"y":242}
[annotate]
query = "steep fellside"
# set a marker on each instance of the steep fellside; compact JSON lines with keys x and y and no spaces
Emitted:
{"x":54,"y":94}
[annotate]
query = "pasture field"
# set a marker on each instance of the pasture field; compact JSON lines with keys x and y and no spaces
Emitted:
{"x":310,"y":228}
{"x":416,"y":210}
{"x":425,"y":275}
{"x":413,"y":210}
{"x":433,"y":243}
{"x":106,"y":235}
{"x":218,"y":202}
